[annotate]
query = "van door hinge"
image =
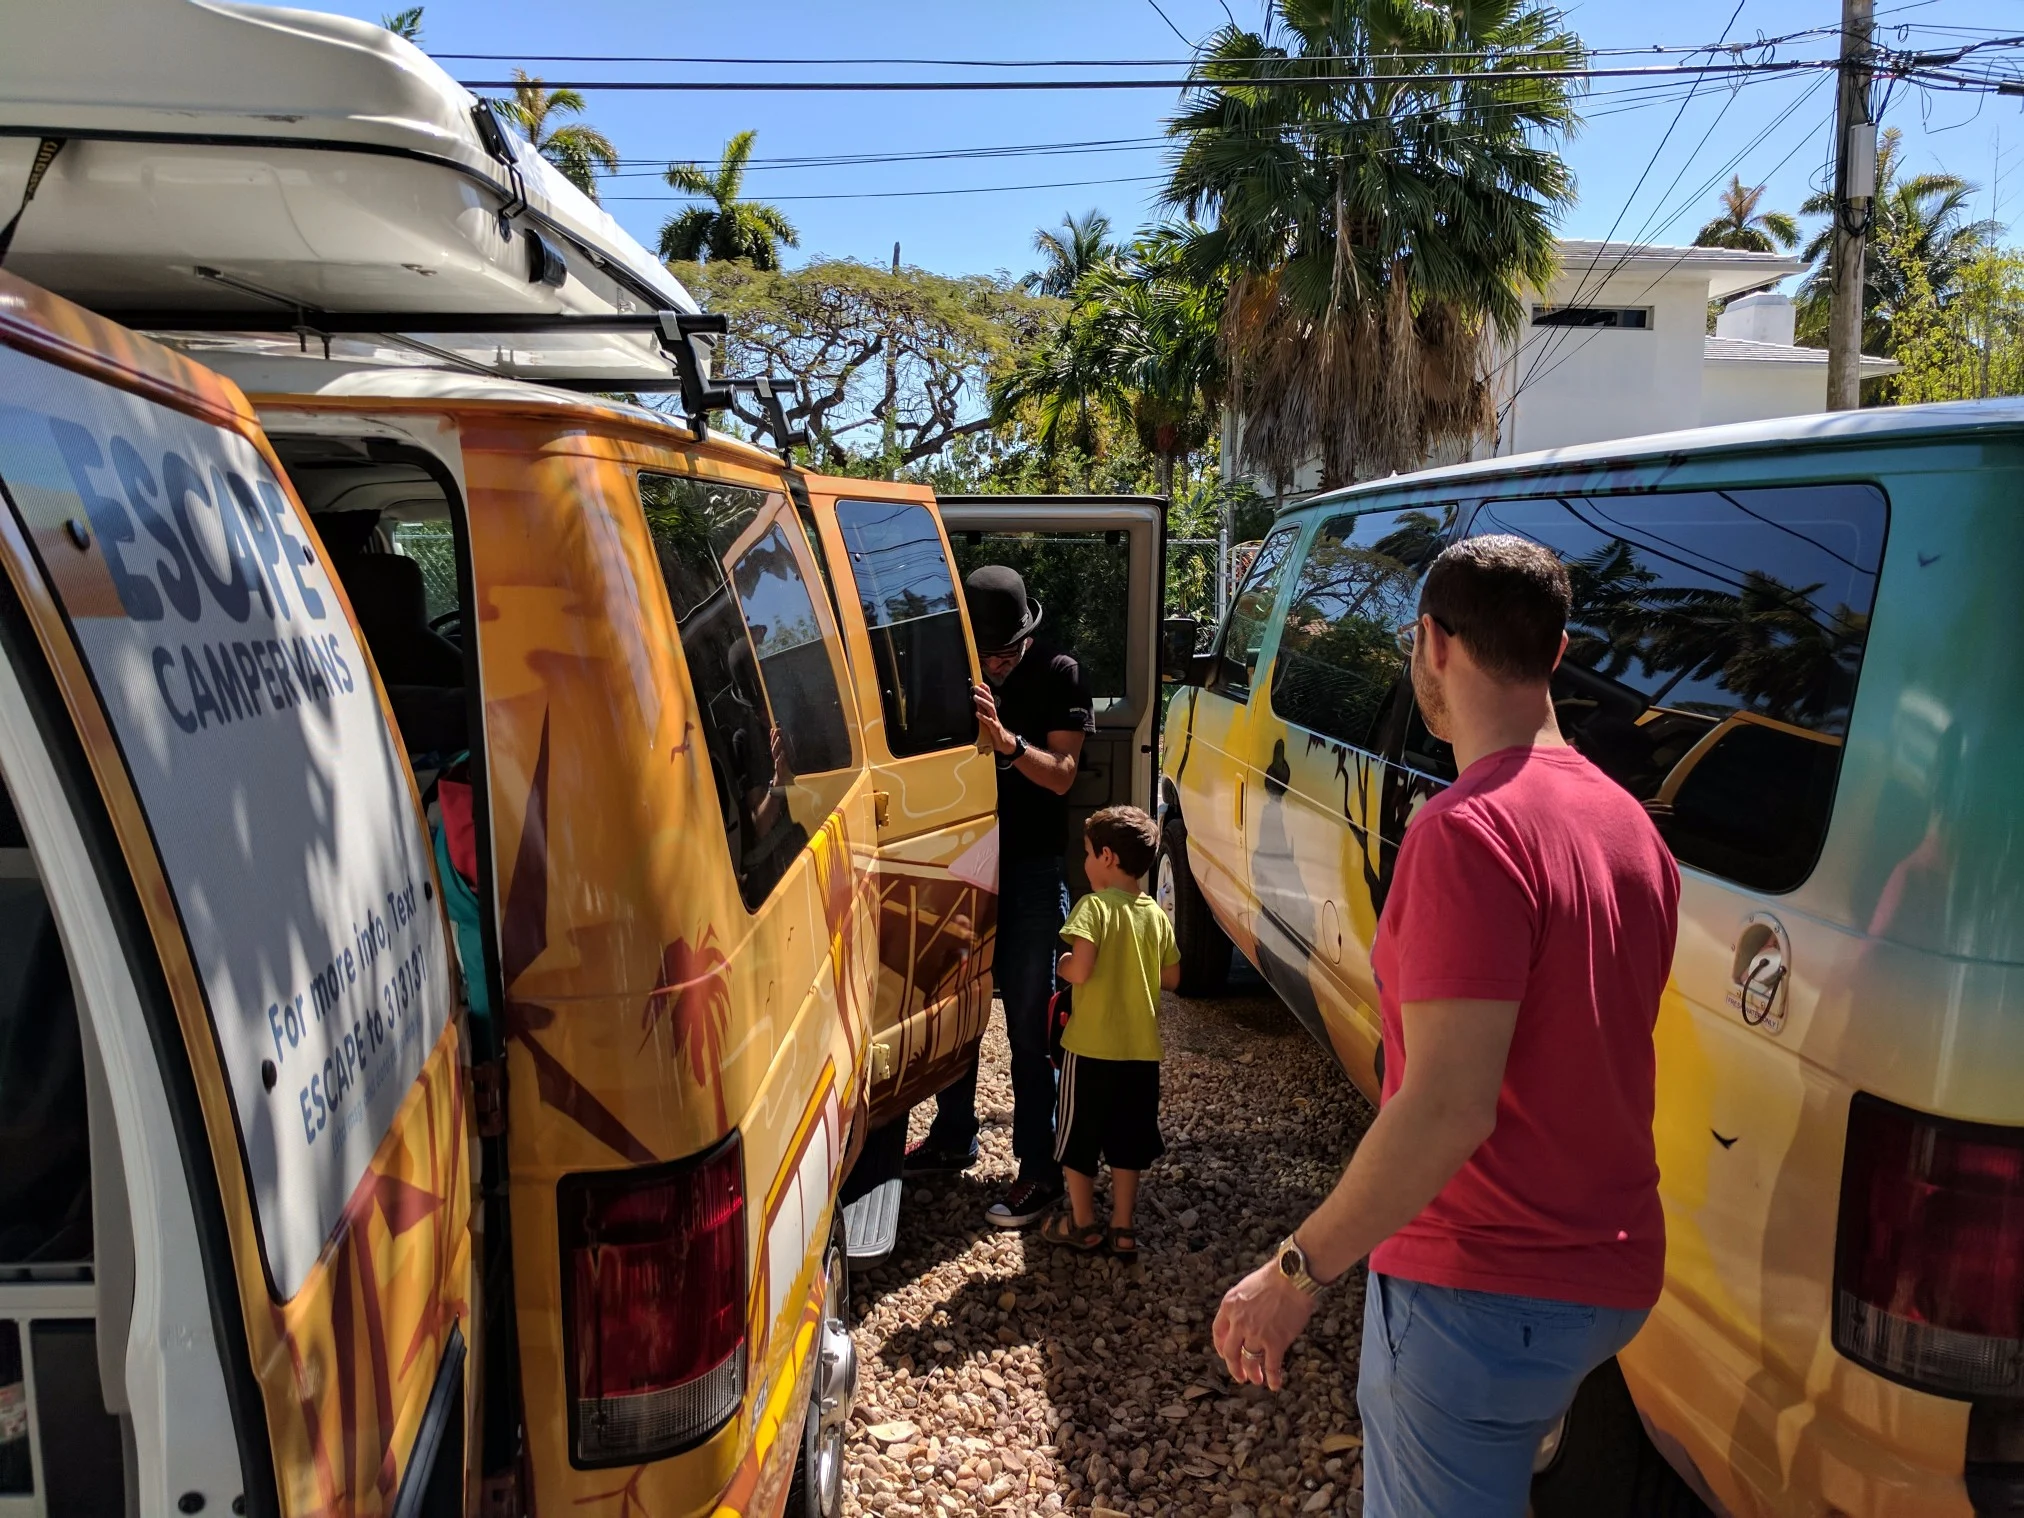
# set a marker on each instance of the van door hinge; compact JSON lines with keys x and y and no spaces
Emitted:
{"x":882,"y":808}
{"x":488,"y":1097}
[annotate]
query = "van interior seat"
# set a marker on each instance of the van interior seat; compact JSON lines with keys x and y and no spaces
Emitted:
{"x":391,"y":601}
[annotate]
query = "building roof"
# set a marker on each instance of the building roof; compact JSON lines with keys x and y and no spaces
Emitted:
{"x":1729,"y":271}
{"x":1737,"y":350}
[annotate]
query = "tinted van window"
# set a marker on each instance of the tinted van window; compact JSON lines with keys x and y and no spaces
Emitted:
{"x":766,"y":689}
{"x":908,"y":598}
{"x":1712,"y":657}
{"x":1359,"y":584}
{"x":1250,"y":615}
{"x":1082,"y":581}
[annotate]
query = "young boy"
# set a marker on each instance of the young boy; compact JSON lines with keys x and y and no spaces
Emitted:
{"x":1122,"y":957}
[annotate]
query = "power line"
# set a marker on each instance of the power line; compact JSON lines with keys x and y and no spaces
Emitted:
{"x":982,"y":189}
{"x":1269,"y":81}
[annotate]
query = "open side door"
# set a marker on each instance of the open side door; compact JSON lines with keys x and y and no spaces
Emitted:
{"x":907,"y":636}
{"x":1097,"y":565}
{"x":213,"y":796}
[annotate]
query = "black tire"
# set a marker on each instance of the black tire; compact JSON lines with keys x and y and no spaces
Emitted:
{"x":808,"y":1496}
{"x":1606,"y":1465}
{"x":1204,"y":946}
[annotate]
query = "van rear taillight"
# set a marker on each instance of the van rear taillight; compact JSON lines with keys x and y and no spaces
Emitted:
{"x":653,"y":1271}
{"x":1929,"y":1260}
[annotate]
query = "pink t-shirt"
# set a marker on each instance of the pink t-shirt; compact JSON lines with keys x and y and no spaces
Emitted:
{"x":1535,"y":878}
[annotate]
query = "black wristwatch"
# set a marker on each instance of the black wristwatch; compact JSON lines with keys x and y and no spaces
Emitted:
{"x":1019,"y":746}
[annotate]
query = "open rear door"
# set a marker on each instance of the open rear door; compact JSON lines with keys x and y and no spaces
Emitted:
{"x":204,"y":758}
{"x":1097,"y":565}
{"x":935,"y":793}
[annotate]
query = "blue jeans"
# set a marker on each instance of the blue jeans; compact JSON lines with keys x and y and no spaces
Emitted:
{"x":1032,"y":906}
{"x":1457,"y":1388}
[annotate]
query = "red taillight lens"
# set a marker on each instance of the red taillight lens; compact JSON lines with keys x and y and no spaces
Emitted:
{"x":1929,"y":1261}
{"x":653,"y":1270}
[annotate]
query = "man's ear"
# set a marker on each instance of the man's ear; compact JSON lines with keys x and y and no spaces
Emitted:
{"x":1561,"y":652}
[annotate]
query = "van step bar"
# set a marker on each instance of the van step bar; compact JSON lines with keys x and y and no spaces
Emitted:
{"x":871,"y":1225}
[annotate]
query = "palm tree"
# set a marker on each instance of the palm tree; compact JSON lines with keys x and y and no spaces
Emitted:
{"x":1743,"y":227}
{"x":407,"y":23}
{"x":728,"y":228}
{"x":1138,"y":345}
{"x":579,"y":150}
{"x":1918,"y":220}
{"x":1372,"y":233}
{"x":1081,"y":246}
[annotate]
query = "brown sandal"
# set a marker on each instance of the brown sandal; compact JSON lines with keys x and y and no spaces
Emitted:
{"x":1123,"y":1251}
{"x":1061,"y":1229}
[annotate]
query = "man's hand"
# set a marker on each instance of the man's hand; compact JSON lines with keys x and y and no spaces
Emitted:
{"x":1260,"y":1318}
{"x":989,"y":726}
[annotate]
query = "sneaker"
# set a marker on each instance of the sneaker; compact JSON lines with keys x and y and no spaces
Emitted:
{"x":1025,"y":1203}
{"x":925,"y":1157}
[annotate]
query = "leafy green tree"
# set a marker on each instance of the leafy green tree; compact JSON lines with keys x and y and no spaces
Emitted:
{"x":407,"y":23}
{"x":1974,"y":345}
{"x":835,"y":323}
{"x":578,"y":149}
{"x":1743,"y":227}
{"x":1918,"y":230}
{"x":1371,"y":233}
{"x":1137,"y":348}
{"x":1079,"y":248}
{"x":729,"y":227}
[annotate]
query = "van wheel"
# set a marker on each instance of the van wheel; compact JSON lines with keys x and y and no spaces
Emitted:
{"x":817,"y":1491}
{"x":1604,"y":1465}
{"x":1204,"y":947}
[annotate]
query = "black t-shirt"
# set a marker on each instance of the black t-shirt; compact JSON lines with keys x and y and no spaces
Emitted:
{"x":1045,"y":693}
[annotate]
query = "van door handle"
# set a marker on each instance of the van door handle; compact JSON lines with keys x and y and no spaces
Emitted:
{"x":1240,"y":806}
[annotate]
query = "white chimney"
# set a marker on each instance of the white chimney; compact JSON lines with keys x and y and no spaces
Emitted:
{"x":1766,"y":317}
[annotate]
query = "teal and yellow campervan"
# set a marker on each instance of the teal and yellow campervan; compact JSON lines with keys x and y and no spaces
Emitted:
{"x":1796,"y":642}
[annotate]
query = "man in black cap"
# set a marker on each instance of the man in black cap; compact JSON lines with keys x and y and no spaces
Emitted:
{"x":1035,"y":711}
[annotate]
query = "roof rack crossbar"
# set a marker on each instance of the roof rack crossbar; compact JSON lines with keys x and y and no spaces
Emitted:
{"x":361,"y":323}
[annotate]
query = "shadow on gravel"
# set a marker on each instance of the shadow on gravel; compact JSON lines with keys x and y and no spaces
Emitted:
{"x":1006,"y":1374}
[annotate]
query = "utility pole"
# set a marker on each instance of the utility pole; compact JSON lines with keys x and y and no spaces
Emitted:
{"x":892,"y":398}
{"x":1854,"y":191}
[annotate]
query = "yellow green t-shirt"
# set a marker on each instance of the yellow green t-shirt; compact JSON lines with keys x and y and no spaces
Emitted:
{"x":1117,"y":1008}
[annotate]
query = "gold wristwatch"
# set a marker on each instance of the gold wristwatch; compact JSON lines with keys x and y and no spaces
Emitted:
{"x":1292,"y":1262}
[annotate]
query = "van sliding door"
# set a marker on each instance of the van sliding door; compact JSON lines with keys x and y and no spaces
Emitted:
{"x":269,"y":827}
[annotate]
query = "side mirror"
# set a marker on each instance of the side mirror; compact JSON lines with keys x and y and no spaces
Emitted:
{"x":1178,"y":636}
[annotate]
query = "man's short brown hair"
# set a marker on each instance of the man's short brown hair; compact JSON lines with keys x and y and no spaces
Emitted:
{"x":1128,"y":833}
{"x":1506,"y":599}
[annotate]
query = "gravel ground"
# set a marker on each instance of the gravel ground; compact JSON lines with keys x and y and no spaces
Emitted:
{"x":1002,"y":1374}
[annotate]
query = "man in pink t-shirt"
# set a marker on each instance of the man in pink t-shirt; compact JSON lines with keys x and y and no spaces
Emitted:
{"x":1507,"y":1194}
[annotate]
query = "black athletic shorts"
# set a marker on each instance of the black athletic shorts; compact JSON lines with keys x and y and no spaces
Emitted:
{"x":1108,"y":1109}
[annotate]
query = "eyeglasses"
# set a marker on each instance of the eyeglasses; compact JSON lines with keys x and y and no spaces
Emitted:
{"x":1408,"y":636}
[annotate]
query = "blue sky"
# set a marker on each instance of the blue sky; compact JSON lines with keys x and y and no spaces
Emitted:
{"x":1773,"y":131}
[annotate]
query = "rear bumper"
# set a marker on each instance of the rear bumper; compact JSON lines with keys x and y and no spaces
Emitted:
{"x":1761,"y":1445}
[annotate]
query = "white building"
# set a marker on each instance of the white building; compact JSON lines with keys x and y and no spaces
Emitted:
{"x":1618,"y":346}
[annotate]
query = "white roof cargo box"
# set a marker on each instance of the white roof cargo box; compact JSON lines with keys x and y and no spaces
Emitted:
{"x":297,"y":168}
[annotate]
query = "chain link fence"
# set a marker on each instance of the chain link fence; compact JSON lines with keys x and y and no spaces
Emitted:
{"x":431,"y":545}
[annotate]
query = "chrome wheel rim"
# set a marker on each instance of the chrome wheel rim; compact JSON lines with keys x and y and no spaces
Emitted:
{"x":835,"y":1391}
{"x":1163,"y":884}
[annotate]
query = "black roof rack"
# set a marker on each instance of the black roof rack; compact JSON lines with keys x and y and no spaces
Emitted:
{"x":684,"y":336}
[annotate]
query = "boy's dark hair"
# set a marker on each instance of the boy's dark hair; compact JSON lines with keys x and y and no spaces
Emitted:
{"x":1128,"y":833}
{"x":1506,"y":599}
